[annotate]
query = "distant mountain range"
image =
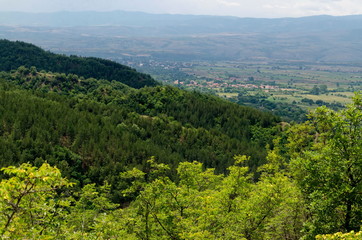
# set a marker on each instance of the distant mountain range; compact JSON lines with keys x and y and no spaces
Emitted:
{"x":188,"y":24}
{"x":190,"y":37}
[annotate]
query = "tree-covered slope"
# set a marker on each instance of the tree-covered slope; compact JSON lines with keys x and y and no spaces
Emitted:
{"x":93,"y":129}
{"x":310,"y":188}
{"x":16,"y":54}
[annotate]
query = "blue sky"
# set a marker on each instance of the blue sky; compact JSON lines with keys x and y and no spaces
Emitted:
{"x":240,"y":8}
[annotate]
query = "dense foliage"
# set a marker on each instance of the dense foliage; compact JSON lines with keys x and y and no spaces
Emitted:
{"x":16,"y":54}
{"x":329,"y":169}
{"x":324,"y":157}
{"x":201,"y":205}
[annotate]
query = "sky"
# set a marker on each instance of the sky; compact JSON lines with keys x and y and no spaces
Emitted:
{"x":239,"y":8}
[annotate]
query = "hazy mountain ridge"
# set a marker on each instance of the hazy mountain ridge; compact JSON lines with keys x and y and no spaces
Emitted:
{"x":188,"y":23}
{"x":117,"y":34}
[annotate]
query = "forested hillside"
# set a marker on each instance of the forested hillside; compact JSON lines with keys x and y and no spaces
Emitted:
{"x":310,"y":188}
{"x":16,"y":54}
{"x":93,"y":129}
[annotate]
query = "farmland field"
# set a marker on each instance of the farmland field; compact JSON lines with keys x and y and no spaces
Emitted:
{"x":300,"y":84}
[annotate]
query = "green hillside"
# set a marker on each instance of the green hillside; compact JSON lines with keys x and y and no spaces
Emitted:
{"x":93,"y":129}
{"x":16,"y":54}
{"x":310,"y":188}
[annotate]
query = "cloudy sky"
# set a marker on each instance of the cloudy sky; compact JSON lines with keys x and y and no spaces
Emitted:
{"x":240,"y":8}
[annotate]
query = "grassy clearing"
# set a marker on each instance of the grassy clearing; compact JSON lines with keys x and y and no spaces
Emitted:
{"x":329,"y":98}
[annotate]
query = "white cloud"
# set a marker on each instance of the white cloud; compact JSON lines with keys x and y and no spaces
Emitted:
{"x":275,"y":6}
{"x":297,"y":8}
{"x":229,"y":4}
